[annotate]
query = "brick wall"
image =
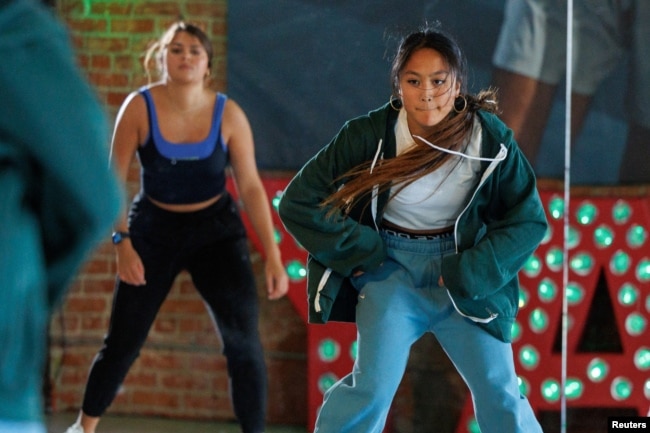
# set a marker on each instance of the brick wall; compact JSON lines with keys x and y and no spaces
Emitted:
{"x":180,"y":372}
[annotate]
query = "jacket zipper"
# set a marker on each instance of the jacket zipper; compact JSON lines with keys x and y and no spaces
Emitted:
{"x":488,"y":172}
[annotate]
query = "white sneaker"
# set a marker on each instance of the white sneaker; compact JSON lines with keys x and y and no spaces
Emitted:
{"x":75,"y":428}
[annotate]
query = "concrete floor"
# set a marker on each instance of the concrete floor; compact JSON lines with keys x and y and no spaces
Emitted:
{"x":59,"y":422}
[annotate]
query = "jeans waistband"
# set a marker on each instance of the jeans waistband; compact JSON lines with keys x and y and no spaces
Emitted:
{"x":405,"y":235}
{"x":441,"y":245}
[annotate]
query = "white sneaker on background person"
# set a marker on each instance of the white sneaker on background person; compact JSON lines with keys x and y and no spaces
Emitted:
{"x":75,"y":428}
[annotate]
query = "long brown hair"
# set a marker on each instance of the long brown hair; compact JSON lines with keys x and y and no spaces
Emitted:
{"x":158,"y":49}
{"x":421,"y":159}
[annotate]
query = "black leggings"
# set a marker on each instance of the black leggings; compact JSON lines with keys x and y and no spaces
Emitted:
{"x":211,"y":245}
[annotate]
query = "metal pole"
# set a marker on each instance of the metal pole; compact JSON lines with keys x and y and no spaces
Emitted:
{"x":567,"y":198}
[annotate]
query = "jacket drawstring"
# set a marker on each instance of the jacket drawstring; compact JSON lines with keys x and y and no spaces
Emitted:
{"x":321,"y":286}
{"x":375,"y":189}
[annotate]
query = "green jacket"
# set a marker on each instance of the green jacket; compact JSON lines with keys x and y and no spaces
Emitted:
{"x":499,"y":229}
{"x":58,"y":195}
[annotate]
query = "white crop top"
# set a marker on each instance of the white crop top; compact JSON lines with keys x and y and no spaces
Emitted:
{"x":435,"y":200}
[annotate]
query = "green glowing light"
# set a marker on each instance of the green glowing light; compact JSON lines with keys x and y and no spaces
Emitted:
{"x":325,"y":381}
{"x":597,"y":370}
{"x":515,"y":331}
{"x":533,"y":266}
{"x":328,"y":350}
{"x":603,"y":236}
{"x":523,"y":297}
{"x":528,"y":357}
{"x":554,"y":258}
{"x":582,"y":263}
{"x":548,"y":235}
{"x":646,"y":389}
{"x":573,"y":238}
{"x":296,"y":270}
{"x":620,"y":262}
{"x":556,"y":208}
{"x":277,"y":235}
{"x":586,"y":213}
{"x":275,"y":201}
{"x":574,"y":293}
{"x":547,"y":290}
{"x":472,"y":426}
{"x":643,"y":270}
{"x":621,"y":212}
{"x":551,"y":390}
{"x":642,"y":358}
{"x":353,"y":350}
{"x":628,"y":295}
{"x":538,"y":320}
{"x":573,"y":388}
{"x":524,"y":386}
{"x":636,"y":236}
{"x":635,"y":324}
{"x":621,"y":388}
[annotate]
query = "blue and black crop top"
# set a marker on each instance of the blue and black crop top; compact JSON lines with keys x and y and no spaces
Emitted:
{"x":183,"y":173}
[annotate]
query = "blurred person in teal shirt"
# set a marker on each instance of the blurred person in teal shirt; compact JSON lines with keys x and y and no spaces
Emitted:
{"x":58,"y":195}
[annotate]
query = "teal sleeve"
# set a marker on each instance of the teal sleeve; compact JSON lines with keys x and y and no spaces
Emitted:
{"x":58,"y":195}
{"x":338,"y":242}
{"x":55,"y":123}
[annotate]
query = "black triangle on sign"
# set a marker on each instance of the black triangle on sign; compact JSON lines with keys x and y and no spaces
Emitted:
{"x":600,"y":332}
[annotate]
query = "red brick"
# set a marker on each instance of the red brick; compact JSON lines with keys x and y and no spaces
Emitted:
{"x":185,"y":382}
{"x":158,"y":398}
{"x":105,"y":44}
{"x":208,"y":363}
{"x":98,"y":264}
{"x":129,"y":25}
{"x":187,"y":306}
{"x":166,"y":325}
{"x":141,"y":379}
{"x":108,"y":79}
{"x":116,"y":99}
{"x":101,"y":284}
{"x":151,"y":359}
{"x":190,"y":325}
{"x":214,"y":9}
{"x":206,"y":402}
{"x":88,"y":25}
{"x":100,"y":61}
{"x":112,"y":8}
{"x":162,"y":8}
{"x":98,"y":324}
{"x":86,"y":304}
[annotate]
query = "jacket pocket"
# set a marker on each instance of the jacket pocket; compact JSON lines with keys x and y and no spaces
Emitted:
{"x":330,"y":295}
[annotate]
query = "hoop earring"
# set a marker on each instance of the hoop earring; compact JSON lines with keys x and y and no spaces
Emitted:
{"x":395,"y":103}
{"x":457,"y":102}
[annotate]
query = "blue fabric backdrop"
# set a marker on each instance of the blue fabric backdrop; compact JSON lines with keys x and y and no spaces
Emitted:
{"x":300,"y":68}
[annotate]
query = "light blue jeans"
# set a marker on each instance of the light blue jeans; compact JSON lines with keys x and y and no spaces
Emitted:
{"x":21,"y":427}
{"x":398,"y":303}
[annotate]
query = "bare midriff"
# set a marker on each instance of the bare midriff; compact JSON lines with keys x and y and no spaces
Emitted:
{"x":190,"y":207}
